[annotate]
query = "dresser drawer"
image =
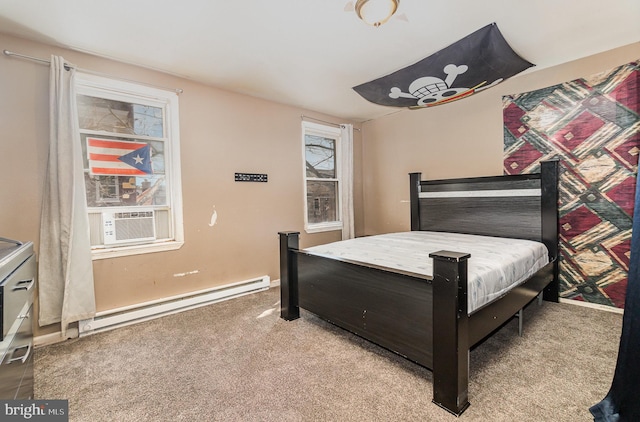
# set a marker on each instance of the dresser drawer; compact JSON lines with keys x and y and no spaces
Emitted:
{"x":16,"y":290}
{"x":17,"y":357}
{"x":25,"y":391}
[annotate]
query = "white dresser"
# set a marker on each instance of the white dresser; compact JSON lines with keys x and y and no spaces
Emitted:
{"x":17,"y":282}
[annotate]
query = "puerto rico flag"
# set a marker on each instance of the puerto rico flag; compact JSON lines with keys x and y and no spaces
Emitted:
{"x":109,"y":157}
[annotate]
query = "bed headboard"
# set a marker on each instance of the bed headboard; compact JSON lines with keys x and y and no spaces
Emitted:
{"x":516,"y":206}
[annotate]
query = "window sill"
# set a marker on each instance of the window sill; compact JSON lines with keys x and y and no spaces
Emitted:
{"x":111,"y":252}
{"x":326,"y":227}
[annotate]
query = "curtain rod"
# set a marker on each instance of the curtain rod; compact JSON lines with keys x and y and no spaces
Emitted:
{"x":39,"y":60}
{"x":303,"y":117}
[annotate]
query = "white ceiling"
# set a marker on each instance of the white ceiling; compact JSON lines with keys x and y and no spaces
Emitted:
{"x":310,"y":53}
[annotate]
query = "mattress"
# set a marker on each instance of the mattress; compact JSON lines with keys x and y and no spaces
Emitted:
{"x":495,"y":267}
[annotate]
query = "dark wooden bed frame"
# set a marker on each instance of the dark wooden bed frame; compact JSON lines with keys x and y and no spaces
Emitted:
{"x":423,"y":318}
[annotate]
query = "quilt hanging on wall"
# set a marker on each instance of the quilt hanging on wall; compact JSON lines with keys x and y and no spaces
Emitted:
{"x":592,"y":126}
{"x":479,"y":61}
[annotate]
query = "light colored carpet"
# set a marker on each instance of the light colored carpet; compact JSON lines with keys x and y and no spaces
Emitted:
{"x":238,"y":361}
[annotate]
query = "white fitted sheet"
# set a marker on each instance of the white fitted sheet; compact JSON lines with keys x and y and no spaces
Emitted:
{"x":496,"y":264}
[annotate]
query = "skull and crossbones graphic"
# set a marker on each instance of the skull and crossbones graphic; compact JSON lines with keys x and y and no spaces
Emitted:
{"x":430,"y":89}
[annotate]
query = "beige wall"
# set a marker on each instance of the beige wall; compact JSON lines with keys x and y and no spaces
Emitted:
{"x":221,"y":133}
{"x":463,"y":138}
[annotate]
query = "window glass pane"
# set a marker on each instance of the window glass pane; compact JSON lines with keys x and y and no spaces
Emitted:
{"x":322,"y":202}
{"x":147,"y":120}
{"x":119,"y":116}
{"x":117,"y":191}
{"x":320,"y":156}
{"x":158,"y":158}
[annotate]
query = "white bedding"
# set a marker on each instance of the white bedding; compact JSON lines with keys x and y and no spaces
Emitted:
{"x":496,"y":264}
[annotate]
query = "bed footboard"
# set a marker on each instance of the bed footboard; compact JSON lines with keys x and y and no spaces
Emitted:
{"x":393,"y":310}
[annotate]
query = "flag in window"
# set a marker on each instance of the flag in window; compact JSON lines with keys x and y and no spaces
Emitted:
{"x":109,"y":157}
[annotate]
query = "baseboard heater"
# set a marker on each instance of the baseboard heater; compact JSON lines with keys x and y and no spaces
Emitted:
{"x":133,"y":314}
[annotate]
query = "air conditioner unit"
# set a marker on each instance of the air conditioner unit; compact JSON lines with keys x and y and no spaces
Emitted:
{"x":128,"y":227}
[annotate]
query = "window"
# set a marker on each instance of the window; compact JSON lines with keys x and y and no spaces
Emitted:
{"x":322,"y":177}
{"x":131,"y":148}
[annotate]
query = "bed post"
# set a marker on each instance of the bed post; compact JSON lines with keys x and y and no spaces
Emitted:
{"x":451,"y":328}
{"x":289,"y":308}
{"x":549,"y":174}
{"x":414,"y":191}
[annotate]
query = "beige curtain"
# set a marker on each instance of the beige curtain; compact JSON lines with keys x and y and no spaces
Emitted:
{"x":346,"y":139}
{"x":65,"y":271}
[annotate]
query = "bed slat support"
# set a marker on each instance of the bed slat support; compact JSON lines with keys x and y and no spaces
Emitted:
{"x":451,"y":328}
{"x":289,"y":309}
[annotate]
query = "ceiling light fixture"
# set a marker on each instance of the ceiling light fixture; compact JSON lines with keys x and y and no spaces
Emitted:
{"x":376,"y":12}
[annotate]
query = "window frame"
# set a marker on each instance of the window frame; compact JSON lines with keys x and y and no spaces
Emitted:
{"x":119,"y":90}
{"x":311,"y":128}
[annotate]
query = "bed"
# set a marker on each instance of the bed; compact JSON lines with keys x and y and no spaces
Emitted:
{"x":429,"y":311}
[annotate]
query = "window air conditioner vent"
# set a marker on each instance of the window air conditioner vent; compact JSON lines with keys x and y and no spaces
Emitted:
{"x":128,"y":227}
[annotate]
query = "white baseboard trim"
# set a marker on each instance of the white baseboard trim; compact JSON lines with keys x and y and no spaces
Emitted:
{"x":215,"y":295}
{"x":133,"y":314}
{"x":53,"y":338}
{"x":275,"y":283}
{"x":592,"y":306}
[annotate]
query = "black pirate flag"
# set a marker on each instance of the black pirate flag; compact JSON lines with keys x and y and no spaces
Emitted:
{"x":476,"y":62}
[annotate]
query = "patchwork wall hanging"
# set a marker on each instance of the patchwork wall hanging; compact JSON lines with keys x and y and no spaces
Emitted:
{"x":593,"y":126}
{"x":477,"y":62}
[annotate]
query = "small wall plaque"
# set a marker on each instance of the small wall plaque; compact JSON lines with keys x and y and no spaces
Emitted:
{"x":251,"y":177}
